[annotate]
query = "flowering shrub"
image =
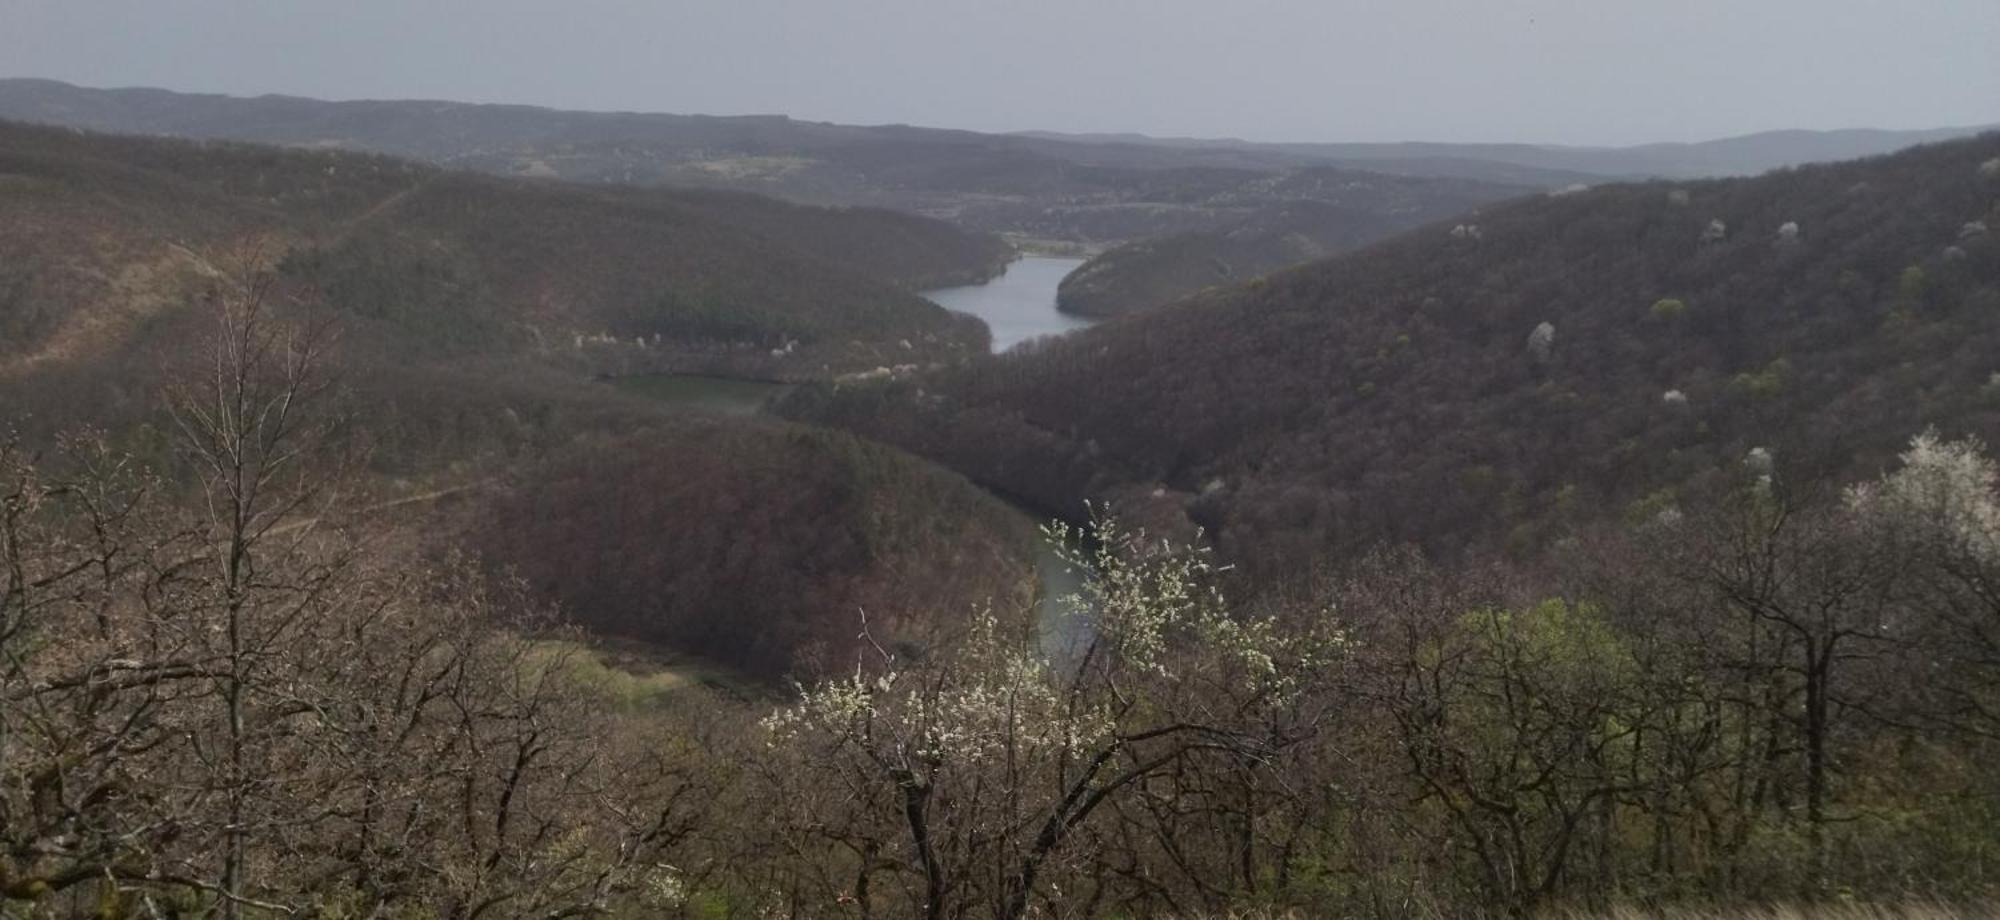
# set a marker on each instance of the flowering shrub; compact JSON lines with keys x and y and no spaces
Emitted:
{"x":986,"y":762}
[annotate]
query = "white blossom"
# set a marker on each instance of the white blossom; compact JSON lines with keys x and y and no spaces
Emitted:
{"x":1944,"y":487}
{"x":1542,"y":341}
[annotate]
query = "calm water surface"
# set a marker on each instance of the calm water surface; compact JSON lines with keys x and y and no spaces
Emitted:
{"x":1018,"y":305}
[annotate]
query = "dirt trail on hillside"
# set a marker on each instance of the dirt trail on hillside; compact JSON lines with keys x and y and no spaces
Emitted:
{"x":376,"y":210}
{"x":139,"y":291}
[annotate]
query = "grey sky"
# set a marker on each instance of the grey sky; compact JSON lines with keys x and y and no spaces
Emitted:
{"x":1571,"y":71}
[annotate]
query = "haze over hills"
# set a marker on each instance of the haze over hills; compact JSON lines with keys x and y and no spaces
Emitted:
{"x":630,"y":146}
{"x":1209,"y":210}
{"x":1619,"y":348}
{"x":1745,"y":155}
{"x":1028,"y":188}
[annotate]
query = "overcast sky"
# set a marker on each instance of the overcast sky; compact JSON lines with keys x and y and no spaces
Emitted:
{"x":1567,"y":71}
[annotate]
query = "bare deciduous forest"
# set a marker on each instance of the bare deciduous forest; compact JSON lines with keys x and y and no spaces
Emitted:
{"x":560,"y":524}
{"x":227,"y":698}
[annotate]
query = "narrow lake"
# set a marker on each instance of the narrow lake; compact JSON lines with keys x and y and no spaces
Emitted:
{"x":1020,"y":304}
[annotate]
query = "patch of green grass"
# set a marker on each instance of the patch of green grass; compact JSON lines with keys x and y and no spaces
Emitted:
{"x":638,"y":678}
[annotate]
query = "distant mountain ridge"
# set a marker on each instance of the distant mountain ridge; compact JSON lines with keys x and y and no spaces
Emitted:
{"x":1030,"y":188}
{"x":448,"y":131}
{"x":1743,"y":155}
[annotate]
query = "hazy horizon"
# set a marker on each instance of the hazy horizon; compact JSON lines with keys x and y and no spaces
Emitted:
{"x":1538,"y":71}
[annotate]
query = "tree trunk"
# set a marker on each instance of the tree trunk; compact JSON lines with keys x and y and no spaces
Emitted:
{"x":1818,"y":664}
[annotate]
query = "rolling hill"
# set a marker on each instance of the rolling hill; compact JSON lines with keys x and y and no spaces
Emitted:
{"x":106,"y":233}
{"x":1623,"y":347}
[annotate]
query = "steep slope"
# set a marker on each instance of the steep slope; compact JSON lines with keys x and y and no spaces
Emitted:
{"x":1325,"y":211}
{"x":759,"y":545}
{"x":105,"y":232}
{"x":1411,"y":391}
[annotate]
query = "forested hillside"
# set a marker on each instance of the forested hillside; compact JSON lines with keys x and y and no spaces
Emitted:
{"x":1323,"y":211}
{"x":759,"y":545}
{"x":1493,"y":383}
{"x":270,"y":697}
{"x":107,"y":234}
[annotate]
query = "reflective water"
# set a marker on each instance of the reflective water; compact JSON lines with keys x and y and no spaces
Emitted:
{"x":1018,"y":305}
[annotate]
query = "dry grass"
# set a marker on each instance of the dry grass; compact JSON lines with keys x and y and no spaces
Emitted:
{"x":637,"y":677}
